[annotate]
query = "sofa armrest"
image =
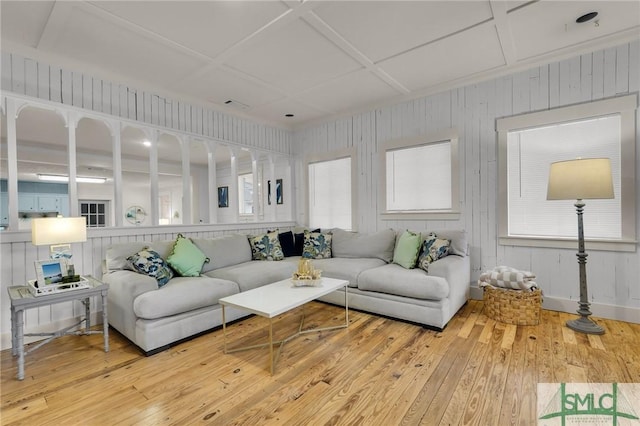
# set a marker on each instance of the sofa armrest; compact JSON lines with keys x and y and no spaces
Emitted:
{"x":125,"y":286}
{"x":455,"y":269}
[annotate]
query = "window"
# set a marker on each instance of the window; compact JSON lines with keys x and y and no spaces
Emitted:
{"x":95,"y":212}
{"x":330,"y":188}
{"x":245,"y":194}
{"x":421,"y":177}
{"x":529,"y":143}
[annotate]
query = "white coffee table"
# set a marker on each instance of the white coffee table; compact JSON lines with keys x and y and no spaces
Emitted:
{"x":271,"y":300}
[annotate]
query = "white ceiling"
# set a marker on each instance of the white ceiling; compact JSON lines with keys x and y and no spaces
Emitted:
{"x":314,"y":59}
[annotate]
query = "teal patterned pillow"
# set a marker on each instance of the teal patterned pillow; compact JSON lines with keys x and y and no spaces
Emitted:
{"x":150,"y":263}
{"x":433,"y":248}
{"x":266,"y":247}
{"x":317,"y":245}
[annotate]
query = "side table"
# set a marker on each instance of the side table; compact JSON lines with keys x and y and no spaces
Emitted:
{"x":22,"y":299}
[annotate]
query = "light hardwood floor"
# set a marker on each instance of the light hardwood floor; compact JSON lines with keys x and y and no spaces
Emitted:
{"x":378,"y":372}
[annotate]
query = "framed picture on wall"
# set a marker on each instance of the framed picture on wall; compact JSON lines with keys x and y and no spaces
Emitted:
{"x":279,"y":191}
{"x":223,"y":196}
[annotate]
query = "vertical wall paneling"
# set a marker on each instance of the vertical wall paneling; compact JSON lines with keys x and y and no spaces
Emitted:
{"x":472,"y":111}
{"x":6,"y":70}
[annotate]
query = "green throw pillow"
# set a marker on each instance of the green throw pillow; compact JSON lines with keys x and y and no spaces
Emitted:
{"x":186,"y":258}
{"x":407,"y":249}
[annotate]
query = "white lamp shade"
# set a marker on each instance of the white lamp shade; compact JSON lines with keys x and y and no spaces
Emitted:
{"x":581,"y":179}
{"x":58,"y":230}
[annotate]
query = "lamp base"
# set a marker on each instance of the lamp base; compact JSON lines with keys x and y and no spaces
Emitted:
{"x":585,"y":325}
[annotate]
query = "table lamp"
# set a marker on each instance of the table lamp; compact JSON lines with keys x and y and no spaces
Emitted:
{"x":59,"y":233}
{"x":581,"y":179}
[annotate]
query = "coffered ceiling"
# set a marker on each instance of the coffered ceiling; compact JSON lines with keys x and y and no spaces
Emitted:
{"x":313,"y":59}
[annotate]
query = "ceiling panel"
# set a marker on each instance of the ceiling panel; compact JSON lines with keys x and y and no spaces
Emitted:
{"x":352,"y":91}
{"x":293,"y":58}
{"x":458,"y":56}
{"x":88,"y":37}
{"x":382,"y":29}
{"x":220,"y":85}
{"x":208,"y":27}
{"x":22,"y":22}
{"x":547,"y":26}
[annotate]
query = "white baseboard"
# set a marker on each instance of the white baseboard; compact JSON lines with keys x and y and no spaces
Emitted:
{"x":5,"y":338}
{"x":620,"y":313}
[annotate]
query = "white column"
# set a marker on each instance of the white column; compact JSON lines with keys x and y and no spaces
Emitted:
{"x":256,"y":182}
{"x":212,"y":181}
{"x":12,"y":165}
{"x":272,"y":178}
{"x":185,"y":144}
{"x":116,"y":142}
{"x":233,"y":187}
{"x":72,"y":124}
{"x":153,"y":176}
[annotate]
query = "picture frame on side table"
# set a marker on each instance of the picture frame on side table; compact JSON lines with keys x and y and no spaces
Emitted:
{"x":50,"y":271}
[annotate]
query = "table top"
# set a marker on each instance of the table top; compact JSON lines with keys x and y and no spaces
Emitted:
{"x":21,"y":296}
{"x":277,"y":298}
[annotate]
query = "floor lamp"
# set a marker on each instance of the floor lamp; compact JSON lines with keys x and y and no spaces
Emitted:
{"x":581,"y":179}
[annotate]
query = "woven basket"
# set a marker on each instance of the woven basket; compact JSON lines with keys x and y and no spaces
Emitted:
{"x":513,"y":306}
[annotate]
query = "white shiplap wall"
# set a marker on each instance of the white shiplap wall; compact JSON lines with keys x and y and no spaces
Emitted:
{"x":614,"y":277}
{"x":27,"y":77}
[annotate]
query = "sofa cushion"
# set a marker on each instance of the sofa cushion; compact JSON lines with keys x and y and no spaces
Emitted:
{"x":317,"y":245}
{"x":254,"y":274}
{"x":117,"y":254}
{"x":378,"y":245}
{"x":346,"y":268}
{"x":394,"y":279}
{"x":182,"y":294}
{"x":407,"y":248}
{"x":266,"y":247}
{"x":433,"y":248}
{"x":149,"y":262}
{"x":186,"y":258}
{"x":224,"y":251}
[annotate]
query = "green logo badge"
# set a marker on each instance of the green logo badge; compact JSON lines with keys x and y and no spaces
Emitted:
{"x":587,"y":403}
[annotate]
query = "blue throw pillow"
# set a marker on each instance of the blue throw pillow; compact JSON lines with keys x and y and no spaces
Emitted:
{"x":150,"y":263}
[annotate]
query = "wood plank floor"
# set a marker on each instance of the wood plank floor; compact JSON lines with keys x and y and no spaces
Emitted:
{"x":378,"y":372}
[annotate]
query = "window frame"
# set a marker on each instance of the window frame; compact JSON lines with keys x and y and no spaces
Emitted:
{"x":332,"y":156}
{"x":242,"y":198}
{"x":626,"y":107}
{"x":447,"y":135}
{"x":106,"y":214}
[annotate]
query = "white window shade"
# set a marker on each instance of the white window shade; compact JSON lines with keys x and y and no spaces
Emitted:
{"x":419,"y":178}
{"x":330,"y":194}
{"x":529,"y":155}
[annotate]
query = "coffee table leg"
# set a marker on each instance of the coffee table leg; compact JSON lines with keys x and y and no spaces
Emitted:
{"x":224,"y":330}
{"x":271,"y":344}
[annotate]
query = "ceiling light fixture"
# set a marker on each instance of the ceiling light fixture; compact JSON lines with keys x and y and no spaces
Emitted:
{"x":586,"y":17}
{"x":63,"y":178}
{"x":288,"y":115}
{"x":146,"y":143}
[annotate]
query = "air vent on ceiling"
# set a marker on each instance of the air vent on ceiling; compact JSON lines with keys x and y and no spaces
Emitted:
{"x":235,"y":104}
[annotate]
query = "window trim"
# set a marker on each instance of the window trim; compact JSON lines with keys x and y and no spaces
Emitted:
{"x":332,"y":156}
{"x":447,"y":135}
{"x":625,"y":106}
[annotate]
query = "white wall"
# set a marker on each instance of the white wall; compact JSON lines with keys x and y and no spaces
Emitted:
{"x":614,"y":283}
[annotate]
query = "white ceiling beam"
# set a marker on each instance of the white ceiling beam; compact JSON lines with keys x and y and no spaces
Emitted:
{"x":330,"y":34}
{"x":499,"y":11}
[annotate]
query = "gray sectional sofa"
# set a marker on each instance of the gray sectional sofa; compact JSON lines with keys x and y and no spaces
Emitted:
{"x":154,"y":318}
